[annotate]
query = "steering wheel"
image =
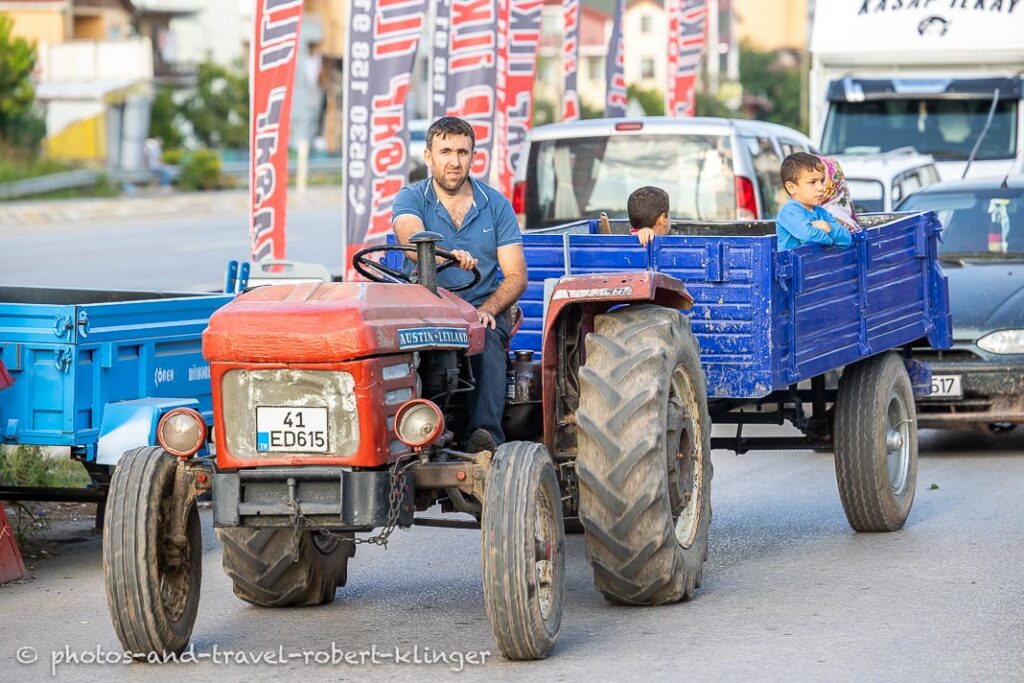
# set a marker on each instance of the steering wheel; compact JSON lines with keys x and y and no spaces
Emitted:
{"x":378,"y":272}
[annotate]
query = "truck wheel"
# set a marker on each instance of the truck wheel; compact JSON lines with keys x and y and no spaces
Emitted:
{"x":876,"y":443}
{"x":644,"y":459}
{"x":152,"y":583}
{"x":261,"y":564}
{"x":523,"y":551}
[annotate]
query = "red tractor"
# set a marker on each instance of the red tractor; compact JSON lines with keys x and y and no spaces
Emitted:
{"x":337,"y":410}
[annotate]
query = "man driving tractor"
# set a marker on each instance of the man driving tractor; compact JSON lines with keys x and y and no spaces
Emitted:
{"x":479,"y":228}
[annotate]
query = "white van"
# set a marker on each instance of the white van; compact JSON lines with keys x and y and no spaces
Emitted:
{"x":926,"y":74}
{"x":712,"y":168}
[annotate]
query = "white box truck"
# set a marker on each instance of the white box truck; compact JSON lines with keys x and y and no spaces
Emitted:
{"x":887,"y":74}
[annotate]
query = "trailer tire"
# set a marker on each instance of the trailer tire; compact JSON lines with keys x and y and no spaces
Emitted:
{"x":153,"y":597}
{"x":262,"y":569}
{"x":522,"y":547}
{"x":644,"y":456}
{"x":876,"y":443}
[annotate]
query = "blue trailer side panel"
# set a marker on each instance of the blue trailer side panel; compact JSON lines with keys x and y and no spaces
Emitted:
{"x":765,"y":319}
{"x":70,"y":360}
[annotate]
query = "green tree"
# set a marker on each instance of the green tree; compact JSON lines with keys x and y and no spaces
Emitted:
{"x":652,"y":101}
{"x":20,"y":123}
{"x":766,"y":75}
{"x":218,"y":110}
{"x":163,"y":119}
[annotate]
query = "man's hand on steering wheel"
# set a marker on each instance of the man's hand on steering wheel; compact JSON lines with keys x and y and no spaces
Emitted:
{"x":466,"y":260}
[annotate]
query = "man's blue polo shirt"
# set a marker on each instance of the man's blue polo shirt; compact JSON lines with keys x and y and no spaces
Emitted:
{"x":489,"y":224}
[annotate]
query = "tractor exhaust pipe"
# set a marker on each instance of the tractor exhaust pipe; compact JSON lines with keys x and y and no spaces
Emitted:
{"x":426,"y":252}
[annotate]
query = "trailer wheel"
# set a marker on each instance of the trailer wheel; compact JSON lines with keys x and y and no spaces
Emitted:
{"x":523,"y":551}
{"x":263,"y":570}
{"x":152,"y":582}
{"x":644,"y":459}
{"x":876,"y":443}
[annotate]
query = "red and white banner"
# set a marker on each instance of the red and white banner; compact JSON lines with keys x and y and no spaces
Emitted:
{"x":570,"y":59}
{"x":271,"y":78}
{"x":515,"y":86}
{"x":383,"y":36}
{"x":616,"y":97}
{"x":463,"y":71}
{"x":687,"y":33}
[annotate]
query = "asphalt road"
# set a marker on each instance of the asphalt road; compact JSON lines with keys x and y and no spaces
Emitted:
{"x":790,"y":592}
{"x":177,"y":253}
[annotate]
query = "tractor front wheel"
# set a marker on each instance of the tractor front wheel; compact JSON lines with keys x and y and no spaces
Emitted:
{"x":523,"y":549}
{"x":152,"y":574}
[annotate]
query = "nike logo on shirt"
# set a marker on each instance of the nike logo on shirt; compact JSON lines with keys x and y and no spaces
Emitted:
{"x":488,"y":229}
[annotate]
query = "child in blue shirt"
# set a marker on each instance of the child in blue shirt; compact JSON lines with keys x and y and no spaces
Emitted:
{"x":802,"y":219}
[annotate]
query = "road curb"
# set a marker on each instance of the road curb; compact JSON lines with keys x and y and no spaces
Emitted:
{"x":190,"y":204}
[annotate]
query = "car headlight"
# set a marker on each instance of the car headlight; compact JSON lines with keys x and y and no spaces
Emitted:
{"x":1003,"y":341}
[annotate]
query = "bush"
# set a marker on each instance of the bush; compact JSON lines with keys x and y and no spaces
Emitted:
{"x":173,"y":156}
{"x":29,"y":466}
{"x":201,"y":170}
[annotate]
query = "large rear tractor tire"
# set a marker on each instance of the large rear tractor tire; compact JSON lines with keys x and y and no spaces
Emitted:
{"x":523,"y":551}
{"x":152,"y":582}
{"x":262,"y":566}
{"x":644,"y":460}
{"x":876,"y":443}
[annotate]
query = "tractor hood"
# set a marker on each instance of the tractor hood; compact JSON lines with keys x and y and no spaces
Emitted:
{"x":336,"y":322}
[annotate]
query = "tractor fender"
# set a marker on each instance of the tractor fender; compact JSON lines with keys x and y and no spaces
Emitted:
{"x":598,"y":293}
{"x":132,"y":424}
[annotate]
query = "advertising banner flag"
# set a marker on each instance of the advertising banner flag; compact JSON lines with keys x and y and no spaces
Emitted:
{"x":519,"y":54}
{"x":571,"y":59}
{"x":464,"y":67}
{"x":687,"y":33}
{"x":382,"y":39}
{"x":616,"y":97}
{"x":271,"y":77}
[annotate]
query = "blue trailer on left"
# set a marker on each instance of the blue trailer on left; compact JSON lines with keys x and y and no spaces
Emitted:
{"x":95,"y":370}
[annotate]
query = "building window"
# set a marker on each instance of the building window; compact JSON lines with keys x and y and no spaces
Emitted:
{"x":646,"y":21}
{"x":595,"y":65}
{"x":647,"y":67}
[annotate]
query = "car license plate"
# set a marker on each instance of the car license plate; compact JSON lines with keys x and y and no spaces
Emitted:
{"x":291,"y":430}
{"x":947,"y":386}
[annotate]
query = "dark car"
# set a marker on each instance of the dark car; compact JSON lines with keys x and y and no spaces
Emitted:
{"x":979,"y":382}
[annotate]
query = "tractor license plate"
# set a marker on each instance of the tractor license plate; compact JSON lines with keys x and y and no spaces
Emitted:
{"x":947,"y":386}
{"x":291,"y":430}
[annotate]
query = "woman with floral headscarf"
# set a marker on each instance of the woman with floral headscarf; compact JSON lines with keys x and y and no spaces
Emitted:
{"x":837,"y":195}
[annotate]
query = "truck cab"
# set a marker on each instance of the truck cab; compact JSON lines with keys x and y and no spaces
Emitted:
{"x":943,"y":79}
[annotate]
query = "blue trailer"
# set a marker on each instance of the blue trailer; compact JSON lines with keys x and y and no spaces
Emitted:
{"x":95,"y":370}
{"x":818,"y":337}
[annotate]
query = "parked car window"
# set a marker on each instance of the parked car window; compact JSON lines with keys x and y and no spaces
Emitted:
{"x":867,"y":195}
{"x":790,"y":146}
{"x":905,"y":185}
{"x":575,"y":178}
{"x":769,"y":179}
{"x":977,"y":222}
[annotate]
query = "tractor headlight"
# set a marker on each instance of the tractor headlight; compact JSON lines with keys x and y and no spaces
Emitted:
{"x":1003,"y":341}
{"x":181,"y":432}
{"x":418,"y":422}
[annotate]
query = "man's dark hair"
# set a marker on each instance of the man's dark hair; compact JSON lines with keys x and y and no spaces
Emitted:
{"x":450,"y":125}
{"x":645,"y":205}
{"x":798,"y":163}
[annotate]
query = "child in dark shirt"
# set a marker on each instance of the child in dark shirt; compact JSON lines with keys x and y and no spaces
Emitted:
{"x":802,"y":220}
{"x":647,"y":208}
